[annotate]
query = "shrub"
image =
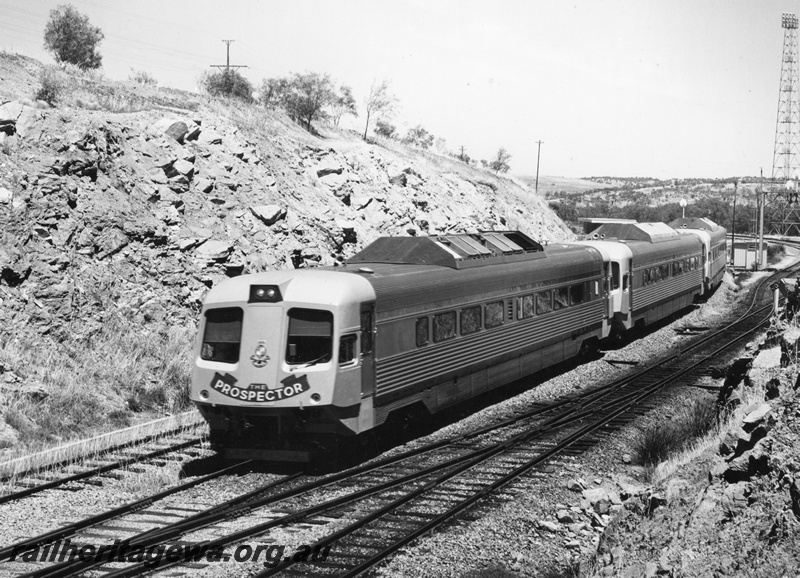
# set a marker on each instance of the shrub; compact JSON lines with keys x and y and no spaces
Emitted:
{"x":52,"y":85}
{"x":142,"y":77}
{"x":227,"y":83}
{"x":657,"y":442}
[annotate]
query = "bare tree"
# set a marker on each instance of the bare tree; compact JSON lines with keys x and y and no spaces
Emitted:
{"x":343,"y":103}
{"x":379,"y":101}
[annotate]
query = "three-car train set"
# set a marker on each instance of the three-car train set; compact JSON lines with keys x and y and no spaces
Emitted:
{"x":289,"y":361}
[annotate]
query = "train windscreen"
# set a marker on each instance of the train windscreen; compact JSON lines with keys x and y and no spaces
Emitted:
{"x":222,"y":335}
{"x":310,"y":336}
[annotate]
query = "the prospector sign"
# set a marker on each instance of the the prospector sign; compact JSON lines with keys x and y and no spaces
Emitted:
{"x":259,"y":392}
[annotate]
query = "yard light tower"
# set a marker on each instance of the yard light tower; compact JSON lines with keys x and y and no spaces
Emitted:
{"x":780,"y":199}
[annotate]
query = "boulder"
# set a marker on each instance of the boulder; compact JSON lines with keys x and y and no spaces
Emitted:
{"x":565,"y":517}
{"x":203,"y":184}
{"x":734,"y":442}
{"x":400,"y":180}
{"x":756,"y":417}
{"x":325,"y":171}
{"x":9,"y":113}
{"x":209,"y":136}
{"x":268,"y":214}
{"x":738,"y":495}
{"x":577,"y":485}
{"x":597,"y":499}
{"x":548,"y":526}
{"x":181,"y":167}
{"x":216,"y":250}
{"x":177,"y":130}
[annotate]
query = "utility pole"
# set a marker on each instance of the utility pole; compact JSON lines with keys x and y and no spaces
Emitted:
{"x":538,"y":154}
{"x":761,"y":200}
{"x":733,"y":223}
{"x":227,"y":66}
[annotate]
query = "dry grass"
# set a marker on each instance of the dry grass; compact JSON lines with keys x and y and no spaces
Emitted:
{"x":658,"y":442}
{"x":91,"y":384}
{"x":20,"y":461}
{"x":711,"y":440}
{"x":153,"y":479}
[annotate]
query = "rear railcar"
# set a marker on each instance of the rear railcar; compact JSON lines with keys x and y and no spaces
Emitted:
{"x":667,"y":272}
{"x":714,"y":239}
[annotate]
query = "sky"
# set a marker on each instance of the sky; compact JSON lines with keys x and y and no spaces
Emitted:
{"x":648,"y":88}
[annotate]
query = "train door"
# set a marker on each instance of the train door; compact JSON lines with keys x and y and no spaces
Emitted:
{"x":367,"y":350}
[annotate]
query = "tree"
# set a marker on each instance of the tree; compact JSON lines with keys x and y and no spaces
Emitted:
{"x":343,"y":103}
{"x":228,"y":82}
{"x":308,"y":96}
{"x":379,"y":101}
{"x":70,"y":37}
{"x":385,"y":129}
{"x":500,"y":162}
{"x":273,"y":91}
{"x":419,"y":137}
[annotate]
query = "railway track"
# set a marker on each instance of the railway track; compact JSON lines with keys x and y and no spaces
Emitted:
{"x":38,"y":480}
{"x":406,"y":495}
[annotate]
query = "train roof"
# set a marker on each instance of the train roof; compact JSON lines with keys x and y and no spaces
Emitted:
{"x":403,"y":287}
{"x":648,"y":232}
{"x":454,"y":251}
{"x":695,"y":223}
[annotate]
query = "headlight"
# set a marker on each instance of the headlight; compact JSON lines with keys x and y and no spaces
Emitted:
{"x":264,"y":294}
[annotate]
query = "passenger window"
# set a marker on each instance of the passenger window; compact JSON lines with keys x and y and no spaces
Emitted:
{"x":310,"y":336}
{"x":366,"y":332}
{"x":422,"y":331}
{"x":560,"y":298}
{"x":543,"y":303}
{"x":444,"y":326}
{"x":665,"y":271}
{"x":347,"y":348}
{"x":470,"y":320}
{"x":577,"y":293}
{"x":527,"y":306}
{"x":494,"y":314}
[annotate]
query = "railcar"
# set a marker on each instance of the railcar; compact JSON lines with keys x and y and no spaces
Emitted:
{"x":290,"y":362}
{"x":715,"y":252}
{"x":664,"y":270}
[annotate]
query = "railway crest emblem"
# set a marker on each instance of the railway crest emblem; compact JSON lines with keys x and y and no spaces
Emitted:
{"x":260,"y":357}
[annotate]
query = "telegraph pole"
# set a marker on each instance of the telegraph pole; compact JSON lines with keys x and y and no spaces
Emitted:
{"x":538,"y":154}
{"x":227,"y":66}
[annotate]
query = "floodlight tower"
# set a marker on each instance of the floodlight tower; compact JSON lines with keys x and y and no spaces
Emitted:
{"x":781,"y":198}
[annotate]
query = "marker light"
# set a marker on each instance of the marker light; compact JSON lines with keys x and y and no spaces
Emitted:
{"x":203,"y":394}
{"x":264,"y":294}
